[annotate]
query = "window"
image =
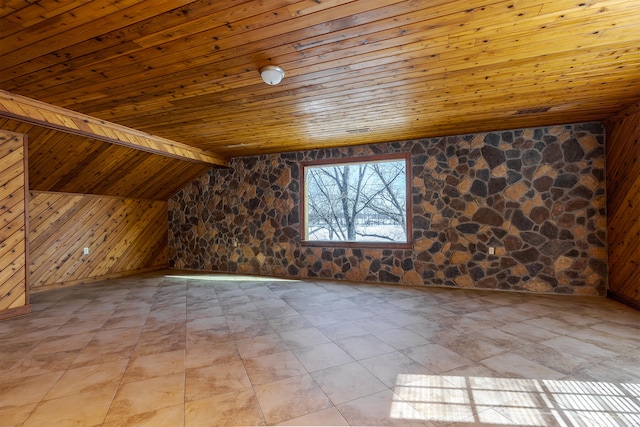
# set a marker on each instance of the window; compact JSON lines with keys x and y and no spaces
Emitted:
{"x":359,"y":202}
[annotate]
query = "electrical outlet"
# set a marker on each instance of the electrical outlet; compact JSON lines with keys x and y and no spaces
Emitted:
{"x":492,"y":250}
{"x":86,"y":251}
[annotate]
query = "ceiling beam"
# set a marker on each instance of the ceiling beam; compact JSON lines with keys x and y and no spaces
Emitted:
{"x":42,"y":114}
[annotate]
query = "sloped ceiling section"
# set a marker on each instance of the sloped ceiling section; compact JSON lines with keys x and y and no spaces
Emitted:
{"x":188,"y":70}
{"x":63,"y":162}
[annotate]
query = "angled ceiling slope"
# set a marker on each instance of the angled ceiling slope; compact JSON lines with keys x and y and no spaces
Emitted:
{"x":74,"y":153}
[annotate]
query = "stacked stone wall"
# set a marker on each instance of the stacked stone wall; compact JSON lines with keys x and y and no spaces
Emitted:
{"x":536,"y":195}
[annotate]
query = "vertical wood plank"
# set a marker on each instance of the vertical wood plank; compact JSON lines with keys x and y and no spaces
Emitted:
{"x":623,"y":205}
{"x":14,"y":278}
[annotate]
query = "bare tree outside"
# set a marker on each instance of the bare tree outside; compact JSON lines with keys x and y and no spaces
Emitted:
{"x":357,"y":201}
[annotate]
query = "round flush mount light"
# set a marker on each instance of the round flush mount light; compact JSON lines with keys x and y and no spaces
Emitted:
{"x":272,"y":74}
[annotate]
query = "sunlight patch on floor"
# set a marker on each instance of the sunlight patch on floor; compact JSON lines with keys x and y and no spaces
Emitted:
{"x":512,"y":401}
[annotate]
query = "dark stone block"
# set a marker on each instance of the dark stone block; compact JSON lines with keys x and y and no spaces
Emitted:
{"x":432,"y":183}
{"x":513,"y":177}
{"x":527,"y":255}
{"x":534,"y":269}
{"x":566,"y":235}
{"x":521,"y":221}
{"x":483,"y":174}
{"x":421,"y":223}
{"x":532,"y":238}
{"x":573,"y":151}
{"x":478,"y":188}
{"x":489,"y":283}
{"x":499,"y":233}
{"x":488,"y":216}
{"x":435,"y":247}
{"x":468,"y":228}
{"x":555,"y":248}
{"x":566,"y":220}
{"x":565,"y":180}
{"x":576,"y":204}
{"x":512,"y":243}
{"x":458,"y":205}
{"x":531,"y":157}
{"x":582,"y":192}
{"x":407,"y":264}
{"x":514,"y":164}
{"x":451,"y":272}
{"x":549,"y":279}
{"x":496,"y":185}
{"x":513,"y":154}
{"x":493,"y":156}
{"x":476,"y":273}
{"x":375,"y":265}
{"x":543,"y":183}
{"x":506,"y":262}
{"x":598,"y":266}
{"x":492,"y":139}
{"x":539,"y":214}
{"x":552,"y":154}
{"x":388,"y":277}
{"x":451,"y":191}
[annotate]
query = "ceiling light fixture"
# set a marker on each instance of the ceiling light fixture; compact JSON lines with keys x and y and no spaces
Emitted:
{"x":272,"y":74}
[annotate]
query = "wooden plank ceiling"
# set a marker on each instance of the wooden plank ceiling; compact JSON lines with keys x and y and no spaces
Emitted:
{"x":356,"y":71}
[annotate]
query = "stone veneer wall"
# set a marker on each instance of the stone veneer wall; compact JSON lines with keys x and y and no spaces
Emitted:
{"x":537,"y":195}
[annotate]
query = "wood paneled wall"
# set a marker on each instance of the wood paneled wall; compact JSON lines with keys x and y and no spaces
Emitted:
{"x":124,"y":236}
{"x":623,"y":195}
{"x":14,"y":295}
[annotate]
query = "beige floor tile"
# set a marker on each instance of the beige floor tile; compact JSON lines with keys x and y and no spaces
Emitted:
{"x":63,"y":343}
{"x":347,"y":382}
{"x":364,"y":346}
{"x":514,"y":366}
{"x":215,"y":379}
{"x":88,"y":378}
{"x":470,"y":347}
{"x":273,"y":367}
{"x":290,"y":323}
{"x":341,"y":330}
{"x":237,"y":408}
{"x":436,"y":358}
{"x":87,"y":409}
{"x":401,"y":338}
{"x":321,"y":356}
{"x":172,"y":416}
{"x":261,"y":346}
{"x":146,"y":396}
{"x":199,"y":355}
{"x":304,"y":337}
{"x":15,"y":416}
{"x":579,"y":348}
{"x":22,"y":391}
{"x":290,"y":398}
{"x":205,"y":323}
{"x":37,"y":364}
{"x":382,"y":409}
{"x":154,"y":365}
{"x":326,"y":417}
{"x":394,"y":368}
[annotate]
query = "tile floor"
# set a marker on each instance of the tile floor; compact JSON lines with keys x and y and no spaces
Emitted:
{"x":189,"y":350}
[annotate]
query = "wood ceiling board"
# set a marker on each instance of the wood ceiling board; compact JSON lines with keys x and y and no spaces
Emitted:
{"x":407,"y":69}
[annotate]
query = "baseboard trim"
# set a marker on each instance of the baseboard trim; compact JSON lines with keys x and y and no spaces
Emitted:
{"x":623,"y":299}
{"x":62,"y":285}
{"x":15,"y":312}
